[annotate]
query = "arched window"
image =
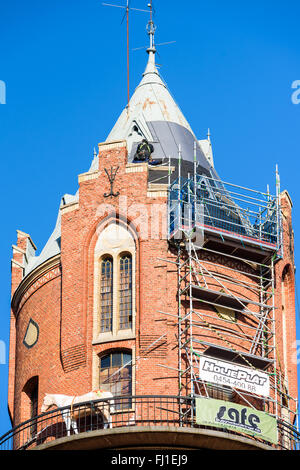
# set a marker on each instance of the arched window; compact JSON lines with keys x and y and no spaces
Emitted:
{"x":106,"y":295}
{"x":115,"y":299}
{"x":116,"y":376}
{"x":125,"y":292}
{"x":34,"y":396}
{"x":30,"y":403}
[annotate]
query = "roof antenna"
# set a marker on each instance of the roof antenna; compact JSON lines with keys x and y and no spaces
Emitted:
{"x":127,"y":8}
{"x":151,"y":28}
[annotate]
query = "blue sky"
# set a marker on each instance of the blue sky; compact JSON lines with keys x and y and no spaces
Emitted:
{"x":64,"y":66}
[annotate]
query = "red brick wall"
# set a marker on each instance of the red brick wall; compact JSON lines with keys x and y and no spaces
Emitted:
{"x":286,"y":265}
{"x":63,"y":307}
{"x":17,"y":267}
{"x":43,"y":359}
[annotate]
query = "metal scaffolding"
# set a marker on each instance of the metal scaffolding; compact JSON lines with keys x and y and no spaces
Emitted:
{"x":228,"y":239}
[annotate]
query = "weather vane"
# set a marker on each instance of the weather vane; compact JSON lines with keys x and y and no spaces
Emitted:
{"x":151,"y":28}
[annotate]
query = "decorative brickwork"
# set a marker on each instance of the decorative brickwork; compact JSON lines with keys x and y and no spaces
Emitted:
{"x":153,"y":346}
{"x":63,"y":300}
{"x":73,"y":358}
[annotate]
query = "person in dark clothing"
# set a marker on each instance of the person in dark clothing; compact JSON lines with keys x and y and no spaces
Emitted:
{"x":143,"y":153}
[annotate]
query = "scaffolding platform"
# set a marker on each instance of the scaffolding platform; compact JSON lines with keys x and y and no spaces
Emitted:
{"x":219,"y":212}
{"x":237,"y":357}
{"x":228,"y":239}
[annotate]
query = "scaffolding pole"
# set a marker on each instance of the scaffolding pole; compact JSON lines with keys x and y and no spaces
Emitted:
{"x":252,"y":336}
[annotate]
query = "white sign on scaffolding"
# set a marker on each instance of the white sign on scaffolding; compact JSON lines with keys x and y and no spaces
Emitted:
{"x":233,"y":375}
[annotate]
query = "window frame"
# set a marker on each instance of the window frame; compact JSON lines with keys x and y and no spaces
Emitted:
{"x":106,"y":316}
{"x":119,"y":310}
{"x":126,"y":246}
{"x":110,"y":353}
{"x":30,"y":403}
{"x":34,"y":408}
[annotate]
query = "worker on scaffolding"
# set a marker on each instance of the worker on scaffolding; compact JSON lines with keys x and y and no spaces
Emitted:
{"x":143,"y":153}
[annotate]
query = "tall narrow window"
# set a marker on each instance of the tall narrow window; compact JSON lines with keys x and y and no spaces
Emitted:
{"x":114,"y":283}
{"x":106,"y":295}
{"x":116,"y":376}
{"x":34,"y":408}
{"x":125,"y":292}
{"x":29,"y":403}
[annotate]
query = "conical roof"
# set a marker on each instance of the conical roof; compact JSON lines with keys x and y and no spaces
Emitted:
{"x":152,"y":113}
{"x":151,"y":102}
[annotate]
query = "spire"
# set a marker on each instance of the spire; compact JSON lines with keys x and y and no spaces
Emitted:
{"x":153,"y":114}
{"x":151,"y":28}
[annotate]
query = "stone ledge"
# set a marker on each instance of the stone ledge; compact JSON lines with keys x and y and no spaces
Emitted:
{"x":155,"y":193}
{"x":69,"y":207}
{"x":136,"y":167}
{"x":26,"y":235}
{"x":161,"y":168}
{"x":157,"y":190}
{"x":157,"y":437}
{"x":111,"y":145}
{"x":113,"y":338}
{"x":16,"y":263}
{"x":88,"y":176}
{"x":157,"y":187}
{"x":18,"y":249}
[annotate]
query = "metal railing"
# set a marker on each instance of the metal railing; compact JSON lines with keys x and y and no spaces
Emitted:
{"x":224,"y":208}
{"x":118,"y":412}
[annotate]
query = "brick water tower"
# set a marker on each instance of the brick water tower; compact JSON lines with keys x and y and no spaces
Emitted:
{"x":160,"y":313}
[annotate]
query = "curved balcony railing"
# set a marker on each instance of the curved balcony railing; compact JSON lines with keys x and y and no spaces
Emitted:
{"x":224,"y":208}
{"x":118,"y":412}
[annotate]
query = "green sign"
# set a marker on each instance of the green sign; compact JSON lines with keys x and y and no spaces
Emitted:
{"x":225,"y":414}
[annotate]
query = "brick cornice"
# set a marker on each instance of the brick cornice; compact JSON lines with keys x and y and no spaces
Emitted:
{"x":26,"y":235}
{"x":88,"y":176}
{"x":31,"y":279}
{"x":16,"y":263}
{"x":114,"y":144}
{"x":20,"y":250}
{"x":69,"y":207}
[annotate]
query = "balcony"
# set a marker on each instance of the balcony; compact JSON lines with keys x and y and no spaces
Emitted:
{"x":135,"y":423}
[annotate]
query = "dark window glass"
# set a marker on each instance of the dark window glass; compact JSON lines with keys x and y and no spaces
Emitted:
{"x":34,"y":409}
{"x":106,"y":295}
{"x":116,"y":376}
{"x":125,"y":293}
